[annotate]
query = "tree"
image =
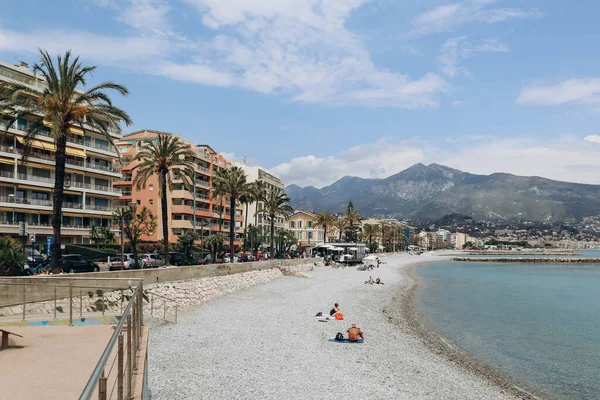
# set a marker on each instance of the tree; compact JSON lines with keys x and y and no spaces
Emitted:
{"x":246,"y":199}
{"x":161,"y":157}
{"x":257,"y":235}
{"x":12,"y":258}
{"x":95,"y":235}
{"x":64,"y":108}
{"x":353,"y":218}
{"x":370,"y":230}
{"x":258,"y":191}
{"x":186,"y":242}
{"x":231,"y":183}
{"x":324,"y":220}
{"x":285,"y":239}
{"x":213,"y":242}
{"x":138,"y":225}
{"x":101,"y":235}
{"x":276,"y":203}
{"x":340,"y":224}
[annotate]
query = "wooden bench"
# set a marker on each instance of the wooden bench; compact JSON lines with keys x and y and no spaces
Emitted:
{"x":5,"y":338}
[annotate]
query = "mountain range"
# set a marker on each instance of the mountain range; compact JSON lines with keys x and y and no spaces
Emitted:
{"x":428,"y":192}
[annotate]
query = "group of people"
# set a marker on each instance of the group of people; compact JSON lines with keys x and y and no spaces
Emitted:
{"x":354,"y":333}
{"x":371,"y":281}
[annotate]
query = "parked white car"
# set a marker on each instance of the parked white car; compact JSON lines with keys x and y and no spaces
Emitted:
{"x":152,"y":260}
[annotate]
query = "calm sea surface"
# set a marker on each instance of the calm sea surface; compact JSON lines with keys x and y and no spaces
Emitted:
{"x":536,"y":323}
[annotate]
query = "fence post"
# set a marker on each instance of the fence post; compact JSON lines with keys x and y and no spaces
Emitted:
{"x":55,"y":302}
{"x":70,"y":303}
{"x":102,"y":387}
{"x":120,"y":368}
{"x":129,"y":356}
{"x":24,"y":300}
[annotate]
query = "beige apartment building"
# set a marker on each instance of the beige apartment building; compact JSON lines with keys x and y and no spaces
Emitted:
{"x":190,"y":209}
{"x":26,"y":187}
{"x":302,"y":223}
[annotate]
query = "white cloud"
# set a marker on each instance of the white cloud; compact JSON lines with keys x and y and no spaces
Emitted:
{"x":196,"y":73}
{"x":566,"y":159}
{"x":581,"y":91}
{"x":456,"y":49}
{"x":447,"y":18}
{"x":149,"y":15}
{"x":592,"y":138}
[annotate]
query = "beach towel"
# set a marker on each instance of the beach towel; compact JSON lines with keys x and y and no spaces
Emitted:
{"x":345,"y":341}
{"x":339,"y":316}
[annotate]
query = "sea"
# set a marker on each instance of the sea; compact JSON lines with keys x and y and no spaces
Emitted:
{"x":536,"y":324}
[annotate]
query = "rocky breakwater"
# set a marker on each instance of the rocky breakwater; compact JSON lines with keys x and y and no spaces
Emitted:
{"x":528,"y":260}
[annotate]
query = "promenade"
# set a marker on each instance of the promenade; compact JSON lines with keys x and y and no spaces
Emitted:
{"x":265,"y":343}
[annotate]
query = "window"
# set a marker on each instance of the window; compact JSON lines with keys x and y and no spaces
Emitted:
{"x":292,"y":224}
{"x":39,"y":195}
{"x":139,"y":202}
{"x":300,"y":224}
{"x":300,"y":235}
{"x":309,"y":224}
{"x":151,"y":187}
{"x":150,"y":201}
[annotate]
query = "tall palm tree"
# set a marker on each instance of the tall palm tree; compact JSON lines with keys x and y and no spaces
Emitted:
{"x":231,"y":183}
{"x":276,"y":203}
{"x":324,"y":220}
{"x":353,"y":218}
{"x":259,"y":191}
{"x":63,"y":106}
{"x":246,"y":199}
{"x":370,"y":230}
{"x":340,"y":224}
{"x":160,"y":157}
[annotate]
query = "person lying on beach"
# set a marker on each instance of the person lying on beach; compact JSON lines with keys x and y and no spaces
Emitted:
{"x":378,"y":281}
{"x":355,"y":333}
{"x":370,"y":281}
{"x":335,"y":309}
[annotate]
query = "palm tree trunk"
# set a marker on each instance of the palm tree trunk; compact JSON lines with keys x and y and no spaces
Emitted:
{"x":324,"y":233}
{"x":246,"y":229}
{"x":231,"y":227}
{"x":165,"y":216}
{"x":59,"y":181}
{"x":272,"y":236}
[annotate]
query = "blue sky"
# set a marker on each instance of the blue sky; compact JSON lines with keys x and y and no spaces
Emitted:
{"x":319,"y":89}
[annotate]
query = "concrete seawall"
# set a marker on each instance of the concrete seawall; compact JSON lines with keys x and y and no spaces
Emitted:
{"x":37,"y":288}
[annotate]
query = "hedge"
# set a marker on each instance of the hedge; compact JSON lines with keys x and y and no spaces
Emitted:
{"x":91,"y":253}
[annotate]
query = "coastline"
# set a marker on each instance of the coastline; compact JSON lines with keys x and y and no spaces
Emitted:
{"x":405,"y":299}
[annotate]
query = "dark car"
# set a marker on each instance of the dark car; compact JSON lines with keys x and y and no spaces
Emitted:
{"x":176,"y":259}
{"x":72,"y":263}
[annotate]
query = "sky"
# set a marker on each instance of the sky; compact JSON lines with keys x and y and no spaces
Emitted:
{"x":318,"y":89}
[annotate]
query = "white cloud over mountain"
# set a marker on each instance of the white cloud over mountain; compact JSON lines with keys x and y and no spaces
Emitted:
{"x":568,"y":159}
{"x":579,"y":91}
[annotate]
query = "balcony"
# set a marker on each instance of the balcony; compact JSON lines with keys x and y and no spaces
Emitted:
{"x":97,"y":208}
{"x":102,"y":167}
{"x":202,"y":196}
{"x":203,"y":183}
{"x":203,"y":169}
{"x":35,"y":178}
{"x":7,"y":174}
{"x":181,"y":223}
{"x":107,"y":189}
{"x":31,"y":202}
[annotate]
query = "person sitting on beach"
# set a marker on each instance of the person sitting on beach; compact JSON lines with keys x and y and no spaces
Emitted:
{"x":335,"y":309}
{"x":378,"y":281}
{"x":355,"y":333}
{"x":370,"y":281}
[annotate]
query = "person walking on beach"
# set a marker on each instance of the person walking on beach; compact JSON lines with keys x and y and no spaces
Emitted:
{"x":335,"y":309}
{"x":355,"y":333}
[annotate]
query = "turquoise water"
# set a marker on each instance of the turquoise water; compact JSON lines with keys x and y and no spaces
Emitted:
{"x":536,"y":323}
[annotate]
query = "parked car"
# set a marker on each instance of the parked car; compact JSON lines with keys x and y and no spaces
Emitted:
{"x":176,"y":258}
{"x":116,"y":263}
{"x":226,"y":258}
{"x":72,"y":263}
{"x":129,"y":261}
{"x":34,"y":257}
{"x":248,"y":258}
{"x":153,"y":261}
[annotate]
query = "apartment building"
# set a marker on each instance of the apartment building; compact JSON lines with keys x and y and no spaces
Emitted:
{"x":189,"y":209}
{"x":302,"y":223}
{"x":270,"y":181}
{"x":26,"y":186}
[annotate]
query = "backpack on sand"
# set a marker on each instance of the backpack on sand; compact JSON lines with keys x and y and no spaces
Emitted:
{"x":319,"y":314}
{"x":339,"y":336}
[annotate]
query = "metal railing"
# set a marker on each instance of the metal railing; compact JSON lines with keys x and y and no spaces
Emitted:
{"x":160,"y":309}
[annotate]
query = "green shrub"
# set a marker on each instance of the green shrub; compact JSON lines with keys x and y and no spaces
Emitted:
{"x":59,"y":309}
{"x":91,"y":294}
{"x":99,"y":292}
{"x":100,"y":306}
{"x":91,"y":253}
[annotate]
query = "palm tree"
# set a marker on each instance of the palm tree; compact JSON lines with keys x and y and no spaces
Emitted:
{"x":340,"y":224}
{"x":370,"y":230}
{"x":276,"y":203}
{"x":353,"y":219}
{"x":259,"y":191}
{"x":246,"y":199}
{"x":325,"y":220}
{"x":63,"y":107}
{"x":231,"y":183}
{"x":159,"y":158}
{"x":12,"y":258}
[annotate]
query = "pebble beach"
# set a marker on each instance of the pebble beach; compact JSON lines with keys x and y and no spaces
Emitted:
{"x":265,"y":343}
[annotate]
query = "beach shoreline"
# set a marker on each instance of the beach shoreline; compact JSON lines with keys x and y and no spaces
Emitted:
{"x":406,"y":303}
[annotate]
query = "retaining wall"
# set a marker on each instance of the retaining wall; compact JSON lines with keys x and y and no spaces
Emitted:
{"x":42,"y":288}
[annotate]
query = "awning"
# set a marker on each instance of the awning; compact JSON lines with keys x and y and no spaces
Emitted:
{"x":38,"y":144}
{"x":75,"y":130}
{"x":7,"y":161}
{"x":71,"y":151}
{"x":353,"y":248}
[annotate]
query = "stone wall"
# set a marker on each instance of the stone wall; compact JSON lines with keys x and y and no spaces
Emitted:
{"x":159,"y":297}
{"x":42,"y":288}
